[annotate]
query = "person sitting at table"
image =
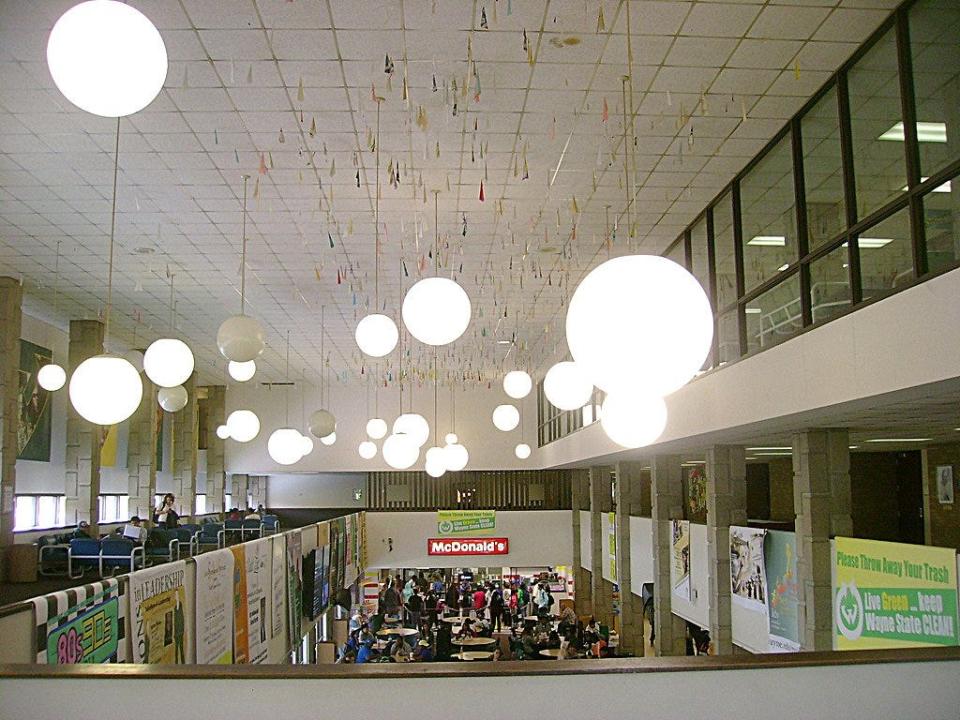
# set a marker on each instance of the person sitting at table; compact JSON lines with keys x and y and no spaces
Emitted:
{"x":365,"y":635}
{"x":365,"y":654}
{"x":591,"y":633}
{"x":444,"y":643}
{"x":251,"y":514}
{"x":375,"y":622}
{"x":351,"y":645}
{"x":423,"y":652}
{"x":347,"y":658}
{"x":359,"y":618}
{"x":482,"y":628}
{"x":528,"y":647}
{"x":426,"y":631}
{"x":553,"y":639}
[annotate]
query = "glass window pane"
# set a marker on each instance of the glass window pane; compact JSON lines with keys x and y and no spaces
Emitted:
{"x":698,"y":255}
{"x":726,"y":267}
{"x":201,"y":506}
{"x":24,"y":512}
{"x":823,"y":171}
{"x":47,"y":506}
{"x":886,"y":256}
{"x":769,"y":220}
{"x":774,"y":316}
{"x":123,"y":510}
{"x":877,"y":128}
{"x":935,"y":50}
{"x":941,"y":218}
{"x":829,"y":285}
{"x":677,"y":253}
{"x":728,"y":337}
{"x":227,"y":501}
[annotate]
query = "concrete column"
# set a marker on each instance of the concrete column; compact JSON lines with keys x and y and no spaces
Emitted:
{"x":582,"y":583}
{"x":821,"y":495}
{"x":726,"y":505}
{"x":185,"y":451}
{"x":239,"y":488}
{"x":600,"y":504}
{"x":216,"y":416}
{"x":258,"y":490}
{"x":666,"y":489}
{"x":629,"y":500}
{"x":142,"y":453}
{"x":11,"y":301}
{"x":82,"y":487}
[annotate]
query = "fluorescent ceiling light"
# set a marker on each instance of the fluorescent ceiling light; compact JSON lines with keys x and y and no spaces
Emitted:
{"x":783,"y":267}
{"x":853,"y":447}
{"x":753,"y":311}
{"x":503,"y":342}
{"x":774,"y":454}
{"x":899,"y":440}
{"x":945,"y":188}
{"x":866,"y":243}
{"x":694,"y":462}
{"x":770,"y":448}
{"x":926,"y":132}
{"x":767,"y":241}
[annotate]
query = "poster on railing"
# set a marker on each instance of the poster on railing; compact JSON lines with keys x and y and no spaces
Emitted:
{"x":783,"y":593}
{"x":278,"y":584}
{"x":294,"y":587}
{"x":680,"y":557}
{"x":241,"y":643}
{"x":215,"y":608}
{"x":258,"y":598}
{"x":748,"y":576}
{"x":82,"y":625}
{"x":893,"y":595}
{"x":158,"y":614}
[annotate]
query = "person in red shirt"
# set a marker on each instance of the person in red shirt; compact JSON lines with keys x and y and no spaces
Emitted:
{"x":479,"y":598}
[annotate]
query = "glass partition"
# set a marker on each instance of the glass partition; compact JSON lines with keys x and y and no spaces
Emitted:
{"x":823,"y":171}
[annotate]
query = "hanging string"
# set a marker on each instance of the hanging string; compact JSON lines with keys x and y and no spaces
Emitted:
{"x":436,"y":235}
{"x":113,"y":226}
{"x":56,"y":280}
{"x":288,"y":381}
{"x":436,"y":394}
{"x":243,"y":251}
{"x":173,"y":321}
{"x":376,"y":222}
{"x":323,"y":353}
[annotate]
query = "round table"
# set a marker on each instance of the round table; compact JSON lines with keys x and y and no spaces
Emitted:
{"x":474,"y":641}
{"x":474,"y":655}
{"x":532,"y":618}
{"x":402,"y":632}
{"x":453,"y":620}
{"x":554,"y":653}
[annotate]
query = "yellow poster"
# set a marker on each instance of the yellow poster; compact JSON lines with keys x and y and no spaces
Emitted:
{"x":158,"y":601}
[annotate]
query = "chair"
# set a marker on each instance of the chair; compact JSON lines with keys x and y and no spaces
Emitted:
{"x":117,"y":553}
{"x":163,"y":545}
{"x":210,"y":535}
{"x":270,"y":524}
{"x":233,"y":531}
{"x":84,"y":552}
{"x":251,"y":527}
{"x":51,"y":555}
{"x":186,"y":536}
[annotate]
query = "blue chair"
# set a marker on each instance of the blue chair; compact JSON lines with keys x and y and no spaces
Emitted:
{"x":51,"y":555}
{"x":120,"y":553}
{"x":83,"y":552}
{"x":233,"y":531}
{"x":186,"y":537}
{"x":163,"y":545}
{"x":210,"y":535}
{"x":251,"y":528}
{"x":270,"y":523}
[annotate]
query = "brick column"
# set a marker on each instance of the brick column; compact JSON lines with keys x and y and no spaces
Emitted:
{"x":185,"y":451}
{"x":666,"y":489}
{"x":216,"y":416}
{"x":629,"y":486}
{"x":600,"y":503}
{"x":82,"y":487}
{"x":821,"y":498}
{"x":582,"y":582}
{"x":726,"y":505}
{"x":11,"y":301}
{"x":142,"y":453}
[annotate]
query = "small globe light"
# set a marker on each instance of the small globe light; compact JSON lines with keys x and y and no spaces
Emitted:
{"x":522,"y":451}
{"x":400,"y":452}
{"x":517,"y":384}
{"x":377,"y":335}
{"x":413,"y":425}
{"x":242,"y":371}
{"x":107,"y":58}
{"x":434,"y":468}
{"x":329,"y":439}
{"x":633,"y":421}
{"x":322,"y":423}
{"x":168,"y":362}
{"x":566,"y":387}
{"x":106,"y":389}
{"x":436,"y":311}
{"x":367,"y":450}
{"x":506,"y":417}
{"x":451,"y":439}
{"x":51,"y":377}
{"x":243,"y":425}
{"x":172,"y":399}
{"x":285,"y":446}
{"x":639,"y":323}
{"x":455,"y":457}
{"x":240,"y":338}
{"x":135,"y":358}
{"x":376,"y":428}
{"x":223,"y":432}
{"x":306,"y":445}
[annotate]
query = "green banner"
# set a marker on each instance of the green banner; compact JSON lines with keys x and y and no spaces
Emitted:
{"x":88,"y":638}
{"x":466,"y":522}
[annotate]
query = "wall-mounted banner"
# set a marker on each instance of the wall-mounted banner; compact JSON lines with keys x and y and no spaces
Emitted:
{"x":258,"y":557}
{"x":783,"y":596}
{"x":294,"y":587}
{"x":680,"y":556}
{"x":82,"y":625}
{"x":215,"y":608}
{"x":889,"y":595}
{"x":748,"y":577}
{"x":466,"y":522}
{"x":278,"y":584}
{"x":241,"y":643}
{"x":468,"y":546}
{"x":158,"y":610}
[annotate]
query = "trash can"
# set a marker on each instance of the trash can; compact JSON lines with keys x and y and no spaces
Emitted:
{"x":22,"y":563}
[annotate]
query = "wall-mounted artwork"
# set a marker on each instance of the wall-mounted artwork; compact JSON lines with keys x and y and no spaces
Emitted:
{"x":33,"y":437}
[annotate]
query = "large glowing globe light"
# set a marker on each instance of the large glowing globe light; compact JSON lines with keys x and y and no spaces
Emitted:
{"x":415,"y":426}
{"x":517,"y":384}
{"x":506,"y":417}
{"x":242,"y":371}
{"x":376,"y":428}
{"x":639,"y":323}
{"x":377,"y":335}
{"x":435,"y":455}
{"x":434,"y":467}
{"x":367,"y":450}
{"x":566,"y":387}
{"x":400,"y":452}
{"x":243,"y":425}
{"x":240,"y":338}
{"x":522,"y":451}
{"x":322,"y":423}
{"x":51,"y":377}
{"x":285,"y":446}
{"x":455,"y":457}
{"x":329,"y":440}
{"x":223,"y":432}
{"x":105,"y":389}
{"x":436,"y":311}
{"x":633,"y":421}
{"x":107,"y":58}
{"x":168,"y":362}
{"x":172,"y":399}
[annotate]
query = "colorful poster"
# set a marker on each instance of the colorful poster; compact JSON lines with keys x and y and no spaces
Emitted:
{"x":893,"y":595}
{"x":680,"y":556}
{"x":748,"y":576}
{"x":82,"y":625}
{"x":158,"y":609}
{"x":278,"y":584}
{"x":241,"y":630}
{"x":612,"y":545}
{"x":783,"y":593}
{"x":214,"y":616}
{"x":33,"y":402}
{"x":294,"y":587}
{"x":362,"y":541}
{"x":258,"y":556}
{"x":466,"y":522}
{"x":114,"y":446}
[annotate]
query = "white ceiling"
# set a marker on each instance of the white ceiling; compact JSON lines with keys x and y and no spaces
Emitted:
{"x":712,"y":82}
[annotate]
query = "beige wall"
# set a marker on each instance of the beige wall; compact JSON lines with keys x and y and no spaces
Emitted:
{"x":943,"y":520}
{"x":781,"y":489}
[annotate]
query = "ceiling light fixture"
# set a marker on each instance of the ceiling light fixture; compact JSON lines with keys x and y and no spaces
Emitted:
{"x":434,"y":460}
{"x":517,"y":384}
{"x":168,"y":362}
{"x":51,"y":377}
{"x":323,"y":423}
{"x":632,"y":420}
{"x":241,"y":372}
{"x":506,"y":417}
{"x":944,"y":188}
{"x":900,"y":440}
{"x":767,"y":241}
{"x":285,"y":444}
{"x":930,"y":132}
{"x":566,"y":386}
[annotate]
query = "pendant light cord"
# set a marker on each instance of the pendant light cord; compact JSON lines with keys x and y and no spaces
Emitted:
{"x":323,"y":353}
{"x":376,"y":223}
{"x":436,"y":397}
{"x":436,"y":234}
{"x":113,"y":227}
{"x":243,"y":251}
{"x":288,"y":381}
{"x":173,"y":316}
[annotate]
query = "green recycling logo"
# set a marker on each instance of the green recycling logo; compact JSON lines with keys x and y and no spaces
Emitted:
{"x":446,"y":527}
{"x":849,"y":611}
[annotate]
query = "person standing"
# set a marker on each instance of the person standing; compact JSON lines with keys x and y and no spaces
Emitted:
{"x":165,"y":515}
{"x":496,"y":609}
{"x":414,"y":607}
{"x":391,"y":600}
{"x":430,"y":606}
{"x":451,"y":600}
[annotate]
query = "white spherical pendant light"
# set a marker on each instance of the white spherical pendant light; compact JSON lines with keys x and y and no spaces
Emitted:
{"x":376,"y":428}
{"x":377,"y":335}
{"x":522,"y":451}
{"x":566,"y":387}
{"x":285,"y":446}
{"x":51,"y":377}
{"x":306,"y":445}
{"x":322,"y":423}
{"x":135,"y":358}
{"x":400,"y":451}
{"x":329,"y":439}
{"x":633,"y":421}
{"x":168,"y":362}
{"x":172,"y":399}
{"x":240,"y":338}
{"x":506,"y":417}
{"x":223,"y":432}
{"x":367,"y":450}
{"x":434,"y":467}
{"x":451,"y":439}
{"x":415,"y":426}
{"x":455,"y":457}
{"x":639,"y":323}
{"x":434,"y":455}
{"x":107,"y":58}
{"x":243,"y":425}
{"x":436,"y":311}
{"x":242,"y":371}
{"x":106,"y":389}
{"x":517,"y":384}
